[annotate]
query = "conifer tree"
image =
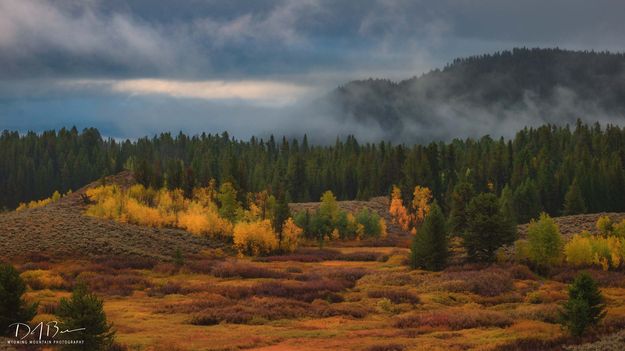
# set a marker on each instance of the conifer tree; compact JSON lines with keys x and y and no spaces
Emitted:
{"x":429,"y":249}
{"x":487,"y":228}
{"x":574,"y":200}
{"x":460,"y":198}
{"x":85,"y":310}
{"x":13,"y":308}
{"x":584,"y":307}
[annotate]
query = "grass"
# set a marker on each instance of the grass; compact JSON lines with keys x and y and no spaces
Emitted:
{"x":233,"y":303}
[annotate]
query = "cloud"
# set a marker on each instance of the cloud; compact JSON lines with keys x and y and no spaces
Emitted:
{"x":269,"y":93}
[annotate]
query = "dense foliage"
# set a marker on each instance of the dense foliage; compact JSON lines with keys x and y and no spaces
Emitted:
{"x":539,"y":165}
{"x":13,"y":308}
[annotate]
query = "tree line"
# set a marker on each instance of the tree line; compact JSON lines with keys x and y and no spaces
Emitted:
{"x":558,"y":170}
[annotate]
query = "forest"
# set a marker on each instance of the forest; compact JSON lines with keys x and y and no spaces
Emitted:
{"x":559,"y":170}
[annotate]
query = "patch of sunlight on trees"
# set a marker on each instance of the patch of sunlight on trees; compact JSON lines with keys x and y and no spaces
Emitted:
{"x":56,"y":196}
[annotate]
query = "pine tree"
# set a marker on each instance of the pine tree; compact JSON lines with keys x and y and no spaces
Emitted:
{"x":229,"y":206}
{"x":584,"y":307}
{"x":487,"y":228}
{"x":85,"y":310}
{"x":429,"y":248}
{"x":460,"y":198}
{"x":13,"y":308}
{"x":574,"y":200}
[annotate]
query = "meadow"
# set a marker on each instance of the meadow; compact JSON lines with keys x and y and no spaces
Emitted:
{"x":355,"y":298}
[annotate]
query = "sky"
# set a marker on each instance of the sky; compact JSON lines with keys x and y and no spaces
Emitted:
{"x":136,"y":68}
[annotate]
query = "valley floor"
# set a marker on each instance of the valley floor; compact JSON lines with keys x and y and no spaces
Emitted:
{"x":357,"y":298}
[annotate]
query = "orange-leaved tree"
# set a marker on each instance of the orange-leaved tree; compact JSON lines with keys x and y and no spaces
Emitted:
{"x":399,"y":213}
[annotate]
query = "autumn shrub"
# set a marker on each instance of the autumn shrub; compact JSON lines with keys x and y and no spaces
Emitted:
{"x":168,"y":288}
{"x":386,"y":347}
{"x":545,"y":312}
{"x":353,"y":310}
{"x":585,"y":250}
{"x":122,"y":284}
{"x":362,"y":256}
{"x":488,"y":282}
{"x":395,"y":295}
{"x":127,"y":262}
{"x":167,"y":268}
{"x":43,"y":279}
{"x":244,"y":270}
{"x":199,"y":303}
{"x":578,"y":251}
{"x":604,"y":225}
{"x":255,"y":238}
{"x":324,"y":289}
{"x":48,"y":307}
{"x":246,"y":311}
{"x":454,"y":319}
{"x":56,"y":196}
{"x":350,"y":275}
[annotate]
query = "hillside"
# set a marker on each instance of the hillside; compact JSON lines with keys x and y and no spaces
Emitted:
{"x":61,"y":230}
{"x":489,"y":94}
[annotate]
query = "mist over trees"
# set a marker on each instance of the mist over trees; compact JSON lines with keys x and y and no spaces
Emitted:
{"x":492,"y":93}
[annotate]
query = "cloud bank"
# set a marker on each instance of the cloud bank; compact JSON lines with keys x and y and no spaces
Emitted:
{"x":253,"y":67}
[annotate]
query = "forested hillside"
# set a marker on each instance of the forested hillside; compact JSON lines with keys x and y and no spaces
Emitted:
{"x":557,"y":169}
{"x":488,"y":93}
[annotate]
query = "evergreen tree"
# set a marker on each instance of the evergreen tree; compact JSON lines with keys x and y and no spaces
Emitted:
{"x":584,"y":307}
{"x":281,"y":213}
{"x":573,"y":200}
{"x":526,"y":201}
{"x":85,"y":310}
{"x":229,"y":206}
{"x":429,"y":249}
{"x":460,"y":198}
{"x":13,"y":308}
{"x":487,"y":228}
{"x":506,"y":203}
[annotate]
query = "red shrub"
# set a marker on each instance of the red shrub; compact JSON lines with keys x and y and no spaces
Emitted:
{"x":395,"y":295}
{"x":487,"y":282}
{"x":244,"y":270}
{"x":454,"y":319}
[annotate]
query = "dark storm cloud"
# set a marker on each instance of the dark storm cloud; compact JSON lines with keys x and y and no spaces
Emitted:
{"x":136,"y":62}
{"x":201,"y":39}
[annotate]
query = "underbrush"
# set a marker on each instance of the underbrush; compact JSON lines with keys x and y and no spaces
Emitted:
{"x":245,"y":270}
{"x":320,"y":255}
{"x":454,"y":319}
{"x":395,"y":295}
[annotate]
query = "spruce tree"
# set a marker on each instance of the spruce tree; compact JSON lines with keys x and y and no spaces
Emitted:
{"x":584,"y":307}
{"x":460,"y":198}
{"x":429,"y":248}
{"x":85,"y":310}
{"x":487,"y":228}
{"x":13,"y":308}
{"x":574,"y":200}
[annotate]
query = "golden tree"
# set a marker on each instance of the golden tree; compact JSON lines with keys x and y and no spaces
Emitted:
{"x":422,"y":196}
{"x":399,"y":213}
